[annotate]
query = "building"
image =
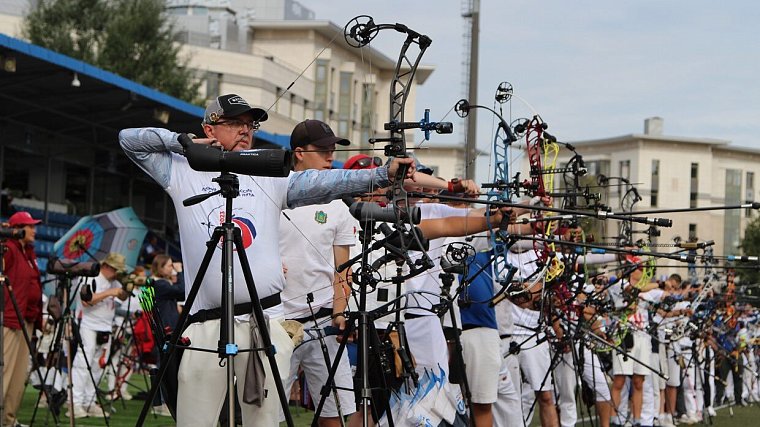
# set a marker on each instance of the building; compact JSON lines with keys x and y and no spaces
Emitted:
{"x":676,"y":173}
{"x":274,"y":54}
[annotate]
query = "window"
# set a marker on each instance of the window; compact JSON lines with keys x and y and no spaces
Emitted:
{"x":749,"y":192}
{"x":213,"y":81}
{"x":344,"y":103}
{"x":655,"y":183}
{"x":320,"y":90}
{"x":732,"y":217}
{"x":368,"y":110}
{"x":694,"y":188}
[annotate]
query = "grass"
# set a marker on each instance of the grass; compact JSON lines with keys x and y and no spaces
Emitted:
{"x":127,"y":413}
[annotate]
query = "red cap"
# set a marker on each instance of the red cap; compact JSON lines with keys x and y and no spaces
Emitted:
{"x":22,"y":218}
{"x":368,"y":162}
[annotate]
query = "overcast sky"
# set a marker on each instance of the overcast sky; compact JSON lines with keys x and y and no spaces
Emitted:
{"x":592,"y":69}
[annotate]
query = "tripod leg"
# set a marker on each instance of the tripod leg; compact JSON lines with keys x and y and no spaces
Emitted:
{"x":333,"y":369}
{"x":168,"y":355}
{"x":258,"y":314}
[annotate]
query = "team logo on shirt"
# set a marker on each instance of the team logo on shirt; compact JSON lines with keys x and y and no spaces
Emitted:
{"x":242,"y":219}
{"x":320,"y":217}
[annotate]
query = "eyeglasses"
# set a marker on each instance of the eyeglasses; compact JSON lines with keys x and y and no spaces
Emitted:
{"x":366,"y":161}
{"x":238,"y":124}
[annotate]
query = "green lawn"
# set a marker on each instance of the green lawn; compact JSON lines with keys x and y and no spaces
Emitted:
{"x":127,"y":413}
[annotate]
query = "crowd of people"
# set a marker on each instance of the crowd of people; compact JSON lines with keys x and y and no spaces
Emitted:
{"x":563,"y":331}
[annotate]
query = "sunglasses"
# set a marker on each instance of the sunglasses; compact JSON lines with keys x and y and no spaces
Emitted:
{"x":366,"y":162}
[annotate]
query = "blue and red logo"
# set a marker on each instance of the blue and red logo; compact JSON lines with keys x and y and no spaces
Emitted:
{"x":242,"y":219}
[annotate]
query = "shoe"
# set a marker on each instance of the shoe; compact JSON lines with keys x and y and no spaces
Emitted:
{"x":79,"y":412}
{"x":162,"y":410}
{"x":711,"y":411}
{"x":95,"y":411}
{"x":665,"y":420}
{"x":689,"y":419}
{"x":126,"y":395}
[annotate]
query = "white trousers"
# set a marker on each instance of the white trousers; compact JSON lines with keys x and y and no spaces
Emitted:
{"x":203,"y":383}
{"x":427,"y":344}
{"x":693,"y":396}
{"x":507,"y":411}
{"x":310,"y":357}
{"x":83,"y":388}
{"x":565,"y":382}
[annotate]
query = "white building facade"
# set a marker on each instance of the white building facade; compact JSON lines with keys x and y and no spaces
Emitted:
{"x":679,"y":173}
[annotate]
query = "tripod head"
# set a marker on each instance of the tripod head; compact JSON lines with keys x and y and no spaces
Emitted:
{"x":229,"y":188}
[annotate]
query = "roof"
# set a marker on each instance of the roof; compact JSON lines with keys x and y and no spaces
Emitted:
{"x":648,"y":137}
{"x":329,"y":30}
{"x":39,"y":98}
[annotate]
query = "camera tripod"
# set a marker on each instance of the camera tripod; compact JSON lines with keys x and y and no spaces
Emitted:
{"x":372,"y":352}
{"x":66,"y":330}
{"x":4,"y":283}
{"x":232,"y":240}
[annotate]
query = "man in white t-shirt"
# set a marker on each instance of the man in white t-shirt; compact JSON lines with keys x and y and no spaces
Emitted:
{"x":229,"y":123}
{"x":95,"y":331}
{"x":313,"y":241}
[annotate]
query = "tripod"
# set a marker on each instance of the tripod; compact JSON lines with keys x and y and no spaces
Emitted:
{"x":227,"y":349}
{"x":65,"y":331}
{"x":4,"y":283}
{"x":370,"y":348}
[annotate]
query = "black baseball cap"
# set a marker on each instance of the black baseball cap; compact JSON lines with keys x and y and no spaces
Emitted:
{"x":314,"y":132}
{"x":230,"y":106}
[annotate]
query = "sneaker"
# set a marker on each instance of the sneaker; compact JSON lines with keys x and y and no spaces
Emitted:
{"x":126,"y":395}
{"x":689,"y":419}
{"x":79,"y":412}
{"x":711,"y":411}
{"x":162,"y":410}
{"x":96,"y":411}
{"x":666,"y":420}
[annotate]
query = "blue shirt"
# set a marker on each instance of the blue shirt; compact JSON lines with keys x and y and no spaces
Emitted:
{"x":479,"y":294}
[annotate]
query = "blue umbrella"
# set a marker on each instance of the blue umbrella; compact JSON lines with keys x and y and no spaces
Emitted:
{"x":119,"y":231}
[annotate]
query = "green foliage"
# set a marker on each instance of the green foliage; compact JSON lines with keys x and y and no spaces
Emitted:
{"x":131,"y":38}
{"x":750,"y":246}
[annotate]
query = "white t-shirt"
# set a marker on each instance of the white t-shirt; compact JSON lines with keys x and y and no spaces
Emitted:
{"x":256,"y":211}
{"x":640,"y":319}
{"x":384,"y":293}
{"x":428,"y":281}
{"x":99,"y":317}
{"x":306,"y":248}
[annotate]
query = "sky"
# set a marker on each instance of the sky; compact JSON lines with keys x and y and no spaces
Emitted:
{"x":591,"y":69}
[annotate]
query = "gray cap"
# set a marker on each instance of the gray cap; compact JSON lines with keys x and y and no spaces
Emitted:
{"x":230,"y":106}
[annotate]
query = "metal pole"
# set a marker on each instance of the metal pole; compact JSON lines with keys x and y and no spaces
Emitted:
{"x":471,"y":147}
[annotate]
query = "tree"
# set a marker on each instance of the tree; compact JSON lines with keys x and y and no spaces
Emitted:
{"x":750,"y":246}
{"x":131,"y":38}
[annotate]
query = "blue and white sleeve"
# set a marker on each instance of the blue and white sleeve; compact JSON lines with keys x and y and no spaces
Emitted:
{"x":313,"y":186}
{"x":151,"y":149}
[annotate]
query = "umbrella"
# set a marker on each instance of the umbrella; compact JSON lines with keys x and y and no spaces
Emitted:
{"x":119,"y":231}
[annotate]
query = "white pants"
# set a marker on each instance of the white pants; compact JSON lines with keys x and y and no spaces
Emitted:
{"x":648,"y":408}
{"x":641,"y":351}
{"x":427,"y":344}
{"x":535,"y":362}
{"x":203,"y":383}
{"x":693,"y":396}
{"x":594,"y":376}
{"x":622,"y":406}
{"x":482,"y":358}
{"x":507,"y":411}
{"x":310,"y":357}
{"x":83,"y":388}
{"x":674,"y":368}
{"x":565,"y":382}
